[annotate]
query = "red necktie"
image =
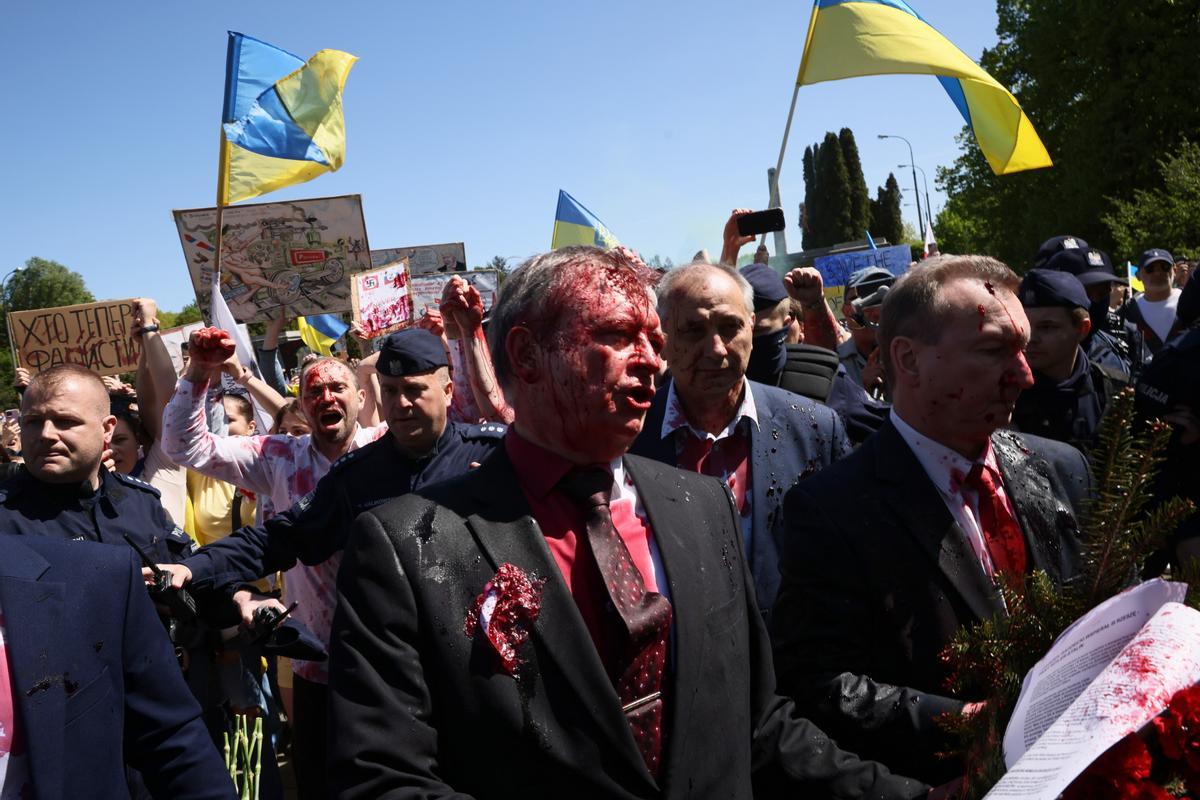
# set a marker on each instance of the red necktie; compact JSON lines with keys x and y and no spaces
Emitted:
{"x":646,"y":615}
{"x":1001,"y":531}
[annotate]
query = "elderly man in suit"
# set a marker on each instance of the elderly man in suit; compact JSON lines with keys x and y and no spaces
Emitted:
{"x":890,"y":551}
{"x":710,"y":418}
{"x":565,"y":620}
{"x":89,"y":681}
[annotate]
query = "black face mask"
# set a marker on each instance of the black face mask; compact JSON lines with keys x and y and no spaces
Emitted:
{"x":1099,"y":313}
{"x":767,"y":357}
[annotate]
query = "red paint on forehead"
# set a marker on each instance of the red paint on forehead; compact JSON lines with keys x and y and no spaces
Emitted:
{"x":324,"y":372}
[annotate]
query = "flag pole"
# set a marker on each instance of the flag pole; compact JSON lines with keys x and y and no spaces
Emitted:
{"x":222,"y":200}
{"x":774,"y":201}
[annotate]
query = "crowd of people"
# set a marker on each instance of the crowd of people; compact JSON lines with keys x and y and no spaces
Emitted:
{"x":629,"y":533}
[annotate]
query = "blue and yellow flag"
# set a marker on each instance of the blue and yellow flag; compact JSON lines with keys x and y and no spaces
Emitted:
{"x":282,"y":121}
{"x":574,"y":224}
{"x":852,"y":38}
{"x":321,"y":331}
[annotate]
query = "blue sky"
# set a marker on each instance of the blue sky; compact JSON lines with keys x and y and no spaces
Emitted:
{"x":464,"y":120}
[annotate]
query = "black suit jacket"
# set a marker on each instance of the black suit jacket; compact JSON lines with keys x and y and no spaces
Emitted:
{"x":795,"y":437}
{"x":877,"y":578}
{"x":421,"y":709}
{"x":95,"y":678}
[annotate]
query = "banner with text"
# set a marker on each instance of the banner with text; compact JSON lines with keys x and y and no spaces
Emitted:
{"x":427,"y":289}
{"x":93,"y":335}
{"x":382,"y":299}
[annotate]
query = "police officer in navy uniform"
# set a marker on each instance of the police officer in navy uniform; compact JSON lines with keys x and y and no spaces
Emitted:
{"x":1115,"y":340}
{"x":422,"y":447}
{"x":1070,"y":392}
{"x":65,"y":491}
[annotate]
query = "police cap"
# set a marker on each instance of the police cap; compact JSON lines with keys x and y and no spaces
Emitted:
{"x":1056,"y":244}
{"x":769,"y":290}
{"x":411,"y":352}
{"x":1045,"y":288}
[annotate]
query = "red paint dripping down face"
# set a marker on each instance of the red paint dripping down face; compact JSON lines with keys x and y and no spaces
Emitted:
{"x":598,"y":363}
{"x":978,"y":362}
{"x":330,"y":400}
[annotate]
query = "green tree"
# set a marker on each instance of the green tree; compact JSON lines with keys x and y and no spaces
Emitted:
{"x":887,"y":222}
{"x":833,"y":194}
{"x":41,"y":283}
{"x":1166,"y":216}
{"x":860,"y":198}
{"x":809,"y":213}
{"x":1106,"y":114}
{"x":500,"y":264}
{"x":184,"y":316}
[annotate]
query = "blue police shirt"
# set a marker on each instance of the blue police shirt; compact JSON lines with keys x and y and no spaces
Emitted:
{"x":318,"y":525}
{"x":119,"y":505}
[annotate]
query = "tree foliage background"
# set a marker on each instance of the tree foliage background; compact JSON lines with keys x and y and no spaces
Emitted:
{"x":1111,"y":89}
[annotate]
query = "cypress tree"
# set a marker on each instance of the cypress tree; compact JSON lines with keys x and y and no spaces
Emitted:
{"x":860,"y":197}
{"x":886,"y":219}
{"x":833,"y":193}
{"x":810,"y":180}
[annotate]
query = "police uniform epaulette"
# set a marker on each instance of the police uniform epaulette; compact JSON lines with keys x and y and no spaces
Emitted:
{"x":488,"y":430}
{"x":129,"y":480}
{"x":348,"y":457}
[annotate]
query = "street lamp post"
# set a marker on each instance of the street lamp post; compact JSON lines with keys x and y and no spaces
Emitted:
{"x":4,"y":301}
{"x":928,"y":204}
{"x":916,"y":189}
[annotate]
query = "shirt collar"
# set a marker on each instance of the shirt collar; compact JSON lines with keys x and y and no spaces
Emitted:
{"x":946,"y":468}
{"x":674,"y":418}
{"x":538,"y":469}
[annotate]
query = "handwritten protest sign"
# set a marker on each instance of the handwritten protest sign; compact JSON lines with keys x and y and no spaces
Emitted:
{"x":298,"y":254}
{"x":424,"y":259}
{"x":835,"y":269}
{"x":93,"y":335}
{"x":382,"y":299}
{"x":427,"y":289}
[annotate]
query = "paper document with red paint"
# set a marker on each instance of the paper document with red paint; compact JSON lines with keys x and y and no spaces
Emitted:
{"x":1110,"y":673}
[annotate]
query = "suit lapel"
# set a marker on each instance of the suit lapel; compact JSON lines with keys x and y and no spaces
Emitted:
{"x":33,"y":614}
{"x":920,"y":506}
{"x":559,"y":635}
{"x":1028,"y":488}
{"x":672,"y":524}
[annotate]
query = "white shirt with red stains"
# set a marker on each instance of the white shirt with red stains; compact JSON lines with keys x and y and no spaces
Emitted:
{"x":279,"y":469}
{"x":948,"y":470}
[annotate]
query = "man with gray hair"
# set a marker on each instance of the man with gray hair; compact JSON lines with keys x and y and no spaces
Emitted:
{"x":710,"y":418}
{"x":890,"y":551}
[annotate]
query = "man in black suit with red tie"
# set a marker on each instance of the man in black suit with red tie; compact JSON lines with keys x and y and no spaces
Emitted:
{"x":565,"y":620}
{"x":893,"y":549}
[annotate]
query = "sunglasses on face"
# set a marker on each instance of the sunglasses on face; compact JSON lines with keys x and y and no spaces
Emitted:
{"x":1156,"y":266}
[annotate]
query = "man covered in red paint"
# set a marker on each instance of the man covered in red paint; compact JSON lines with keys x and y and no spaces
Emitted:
{"x":567,"y":620}
{"x":893,"y":549}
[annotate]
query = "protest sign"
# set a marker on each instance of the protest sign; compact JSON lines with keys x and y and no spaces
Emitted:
{"x":382,"y":299}
{"x":835,"y":269}
{"x":298,"y":254}
{"x":93,"y":335}
{"x":424,"y":259}
{"x":427,"y":289}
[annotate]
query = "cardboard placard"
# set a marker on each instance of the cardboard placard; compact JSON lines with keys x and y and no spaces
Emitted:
{"x":93,"y":335}
{"x":427,"y":289}
{"x":382,"y":299}
{"x":424,"y":259}
{"x":298,"y":253}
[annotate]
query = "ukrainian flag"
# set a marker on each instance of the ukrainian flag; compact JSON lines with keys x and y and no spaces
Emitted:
{"x":852,"y":38}
{"x":320,"y":332}
{"x":574,"y":224}
{"x":282,"y":121}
